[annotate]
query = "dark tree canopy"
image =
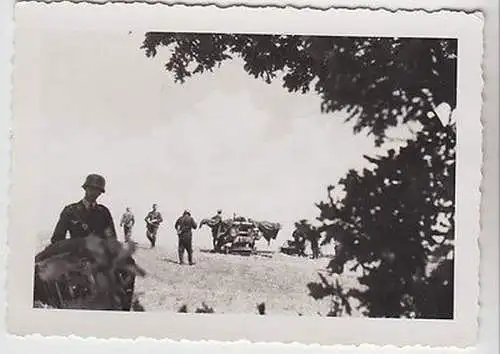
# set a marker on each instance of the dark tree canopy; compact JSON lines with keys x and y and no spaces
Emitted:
{"x":395,"y":222}
{"x":379,"y":81}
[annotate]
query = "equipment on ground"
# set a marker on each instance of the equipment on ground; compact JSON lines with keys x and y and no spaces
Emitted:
{"x":238,"y":235}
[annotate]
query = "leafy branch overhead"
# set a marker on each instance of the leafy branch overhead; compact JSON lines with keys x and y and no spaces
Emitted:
{"x":378,"y":81}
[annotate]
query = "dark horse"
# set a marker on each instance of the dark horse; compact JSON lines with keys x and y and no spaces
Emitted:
{"x":218,"y":228}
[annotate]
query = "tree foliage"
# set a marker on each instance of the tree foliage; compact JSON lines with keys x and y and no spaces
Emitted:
{"x":395,"y":221}
{"x":378,"y":81}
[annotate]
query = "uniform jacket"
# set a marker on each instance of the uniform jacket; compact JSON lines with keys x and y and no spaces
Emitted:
{"x":154,"y":218}
{"x":184,"y":225}
{"x":127,"y":220}
{"x":80,"y":220}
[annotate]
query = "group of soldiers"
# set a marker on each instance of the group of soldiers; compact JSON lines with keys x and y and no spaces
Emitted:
{"x":183,"y":226}
{"x":86,"y":217}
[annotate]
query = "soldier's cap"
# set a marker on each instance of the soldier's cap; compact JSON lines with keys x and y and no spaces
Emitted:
{"x":219,"y":211}
{"x":186,"y":212}
{"x":96,"y":181}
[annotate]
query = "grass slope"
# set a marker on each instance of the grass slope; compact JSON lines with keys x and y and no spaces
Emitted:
{"x":230,"y":283}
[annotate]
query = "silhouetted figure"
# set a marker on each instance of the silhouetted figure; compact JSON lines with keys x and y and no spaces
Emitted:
{"x":184,"y":227}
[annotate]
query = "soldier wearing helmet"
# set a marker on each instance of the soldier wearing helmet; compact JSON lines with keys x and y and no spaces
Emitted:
{"x":86,"y":216}
{"x":127,"y":222}
{"x":184,"y":226}
{"x":153,"y":220}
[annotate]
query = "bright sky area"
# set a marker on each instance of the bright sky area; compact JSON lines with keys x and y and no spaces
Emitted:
{"x":88,"y":102}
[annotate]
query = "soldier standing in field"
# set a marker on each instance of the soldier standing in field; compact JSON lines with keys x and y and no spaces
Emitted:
{"x":153,"y":221}
{"x":314,"y":239}
{"x":127,"y":222}
{"x":217,"y":219}
{"x":184,"y":226}
{"x":86,"y":216}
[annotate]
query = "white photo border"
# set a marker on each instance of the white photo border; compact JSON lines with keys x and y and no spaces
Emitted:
{"x":23,"y":319}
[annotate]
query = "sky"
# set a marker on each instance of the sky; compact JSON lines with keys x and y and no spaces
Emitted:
{"x":89,"y":102}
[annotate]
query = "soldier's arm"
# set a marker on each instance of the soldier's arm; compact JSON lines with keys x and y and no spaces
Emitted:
{"x":110,"y":227}
{"x":61,"y":228}
{"x":160,"y":218}
{"x":194,"y":225}
{"x":122,"y":220}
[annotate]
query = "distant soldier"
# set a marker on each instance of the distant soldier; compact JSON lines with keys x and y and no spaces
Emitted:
{"x":217,"y":220}
{"x":299,"y":238}
{"x":314,"y":237}
{"x":127,"y":222}
{"x":86,"y":217}
{"x":184,"y":226}
{"x":153,"y":221}
{"x":218,"y":217}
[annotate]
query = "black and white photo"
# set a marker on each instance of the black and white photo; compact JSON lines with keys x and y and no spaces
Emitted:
{"x":279,"y":175}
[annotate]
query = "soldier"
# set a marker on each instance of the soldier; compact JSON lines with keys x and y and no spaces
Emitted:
{"x":184,"y":226}
{"x":153,"y":221}
{"x":217,"y":219}
{"x":299,"y":238}
{"x":85,"y":217}
{"x":314,"y":239}
{"x":127,"y":222}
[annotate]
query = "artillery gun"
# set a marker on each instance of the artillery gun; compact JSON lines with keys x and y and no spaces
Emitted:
{"x":88,"y":273}
{"x":239,"y":238}
{"x":239,"y":234}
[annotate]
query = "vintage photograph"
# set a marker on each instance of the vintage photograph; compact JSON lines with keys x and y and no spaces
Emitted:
{"x":238,"y":173}
{"x":309,"y":175}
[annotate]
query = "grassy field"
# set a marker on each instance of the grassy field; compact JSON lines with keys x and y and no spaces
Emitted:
{"x":230,"y":283}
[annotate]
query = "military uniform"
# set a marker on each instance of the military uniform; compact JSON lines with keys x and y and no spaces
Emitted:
{"x":184,"y":226}
{"x":300,"y":241}
{"x":127,"y":222}
{"x":315,"y":246}
{"x":82,"y":219}
{"x":217,"y":220}
{"x":153,"y":221}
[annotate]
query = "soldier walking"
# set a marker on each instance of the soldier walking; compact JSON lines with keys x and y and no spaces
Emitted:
{"x":184,"y":226}
{"x":153,"y":221}
{"x":127,"y":222}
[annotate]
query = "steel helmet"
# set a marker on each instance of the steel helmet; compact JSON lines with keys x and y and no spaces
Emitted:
{"x":96,"y":181}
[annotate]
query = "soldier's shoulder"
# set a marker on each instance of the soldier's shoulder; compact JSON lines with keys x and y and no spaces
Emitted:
{"x":72,"y":207}
{"x":102,"y":207}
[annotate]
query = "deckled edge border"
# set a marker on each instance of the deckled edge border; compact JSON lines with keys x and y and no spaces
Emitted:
{"x":9,"y":162}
